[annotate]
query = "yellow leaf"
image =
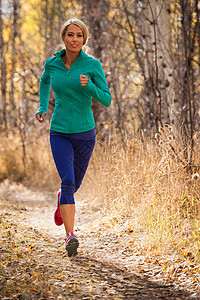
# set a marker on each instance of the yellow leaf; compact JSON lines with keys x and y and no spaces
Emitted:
{"x":76,"y":287}
{"x":131,"y":242}
{"x":195,"y":236}
{"x":168,"y":279}
{"x":52,"y":288}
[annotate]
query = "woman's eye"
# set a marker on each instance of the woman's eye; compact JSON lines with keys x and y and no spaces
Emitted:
{"x":78,"y":35}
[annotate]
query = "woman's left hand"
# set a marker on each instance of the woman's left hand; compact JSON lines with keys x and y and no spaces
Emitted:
{"x":84,"y":80}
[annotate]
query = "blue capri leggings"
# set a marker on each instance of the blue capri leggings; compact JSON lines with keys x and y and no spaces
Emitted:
{"x":71,"y":155}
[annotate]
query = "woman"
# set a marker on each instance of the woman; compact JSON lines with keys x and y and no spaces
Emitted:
{"x":75,"y":78}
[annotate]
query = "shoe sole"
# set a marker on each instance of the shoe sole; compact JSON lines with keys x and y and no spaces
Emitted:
{"x":57,"y":219}
{"x":72,"y":246}
{"x":57,"y":216}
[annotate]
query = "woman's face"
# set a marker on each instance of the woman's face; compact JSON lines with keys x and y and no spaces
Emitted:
{"x":73,"y":39}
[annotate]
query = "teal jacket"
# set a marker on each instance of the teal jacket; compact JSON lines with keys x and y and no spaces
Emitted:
{"x":73,"y":112}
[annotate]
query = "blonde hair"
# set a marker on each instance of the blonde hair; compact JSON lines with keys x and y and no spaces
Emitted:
{"x":78,"y":23}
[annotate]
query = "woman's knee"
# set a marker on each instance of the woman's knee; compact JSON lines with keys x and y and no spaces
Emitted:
{"x":67,"y":194}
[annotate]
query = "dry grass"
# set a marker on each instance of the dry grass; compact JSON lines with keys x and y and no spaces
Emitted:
{"x":146,"y":186}
{"x":35,"y":167}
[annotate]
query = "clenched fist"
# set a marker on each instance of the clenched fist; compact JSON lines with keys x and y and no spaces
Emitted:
{"x":40,"y":118}
{"x":84,"y":80}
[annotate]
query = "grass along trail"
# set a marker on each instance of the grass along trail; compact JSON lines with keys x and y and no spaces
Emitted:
{"x":112,"y":261}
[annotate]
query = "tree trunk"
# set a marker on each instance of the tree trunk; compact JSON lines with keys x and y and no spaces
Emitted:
{"x":3,"y":115}
{"x":156,"y":41}
{"x":13,"y":117}
{"x":97,"y":16}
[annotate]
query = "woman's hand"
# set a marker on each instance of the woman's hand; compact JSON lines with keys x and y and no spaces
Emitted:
{"x":84,"y":80}
{"x":40,"y":118}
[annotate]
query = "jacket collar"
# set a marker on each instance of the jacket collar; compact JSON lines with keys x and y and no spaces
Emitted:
{"x":62,"y":52}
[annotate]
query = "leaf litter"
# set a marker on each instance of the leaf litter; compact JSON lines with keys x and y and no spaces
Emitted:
{"x":111,"y":263}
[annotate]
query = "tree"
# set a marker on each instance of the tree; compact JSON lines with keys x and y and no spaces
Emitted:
{"x":3,"y":115}
{"x":97,"y":19}
{"x":164,"y":37}
{"x":14,"y":35}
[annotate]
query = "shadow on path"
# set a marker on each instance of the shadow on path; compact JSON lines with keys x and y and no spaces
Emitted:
{"x":127,"y":285}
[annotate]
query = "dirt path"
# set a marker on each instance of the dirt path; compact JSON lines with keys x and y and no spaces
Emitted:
{"x":110,"y":265}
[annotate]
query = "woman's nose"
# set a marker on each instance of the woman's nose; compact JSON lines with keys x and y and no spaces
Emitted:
{"x":74,"y":38}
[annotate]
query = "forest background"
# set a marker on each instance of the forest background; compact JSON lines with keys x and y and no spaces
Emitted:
{"x":145,"y":169}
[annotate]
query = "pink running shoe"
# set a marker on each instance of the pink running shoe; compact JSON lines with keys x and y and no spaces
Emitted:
{"x":57,"y":216}
{"x":72,"y":244}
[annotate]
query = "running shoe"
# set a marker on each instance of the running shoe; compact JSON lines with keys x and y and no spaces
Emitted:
{"x":57,"y":215}
{"x":72,"y":244}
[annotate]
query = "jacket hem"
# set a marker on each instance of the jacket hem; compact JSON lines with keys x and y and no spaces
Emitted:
{"x":67,"y":131}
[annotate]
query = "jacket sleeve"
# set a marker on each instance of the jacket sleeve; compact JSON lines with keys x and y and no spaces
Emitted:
{"x":99,"y":88}
{"x":44,"y":90}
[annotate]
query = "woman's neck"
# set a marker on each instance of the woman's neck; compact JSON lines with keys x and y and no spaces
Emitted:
{"x":70,"y":58}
